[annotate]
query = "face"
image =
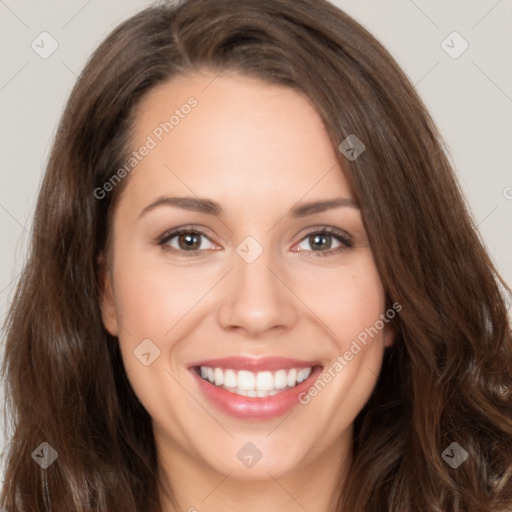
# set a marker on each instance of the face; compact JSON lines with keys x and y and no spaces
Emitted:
{"x":242,"y":280}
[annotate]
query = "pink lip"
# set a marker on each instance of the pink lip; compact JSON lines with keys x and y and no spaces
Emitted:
{"x":249,"y":408}
{"x":252,"y":364}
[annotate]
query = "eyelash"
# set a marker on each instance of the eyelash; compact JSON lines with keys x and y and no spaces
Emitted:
{"x":345,"y":240}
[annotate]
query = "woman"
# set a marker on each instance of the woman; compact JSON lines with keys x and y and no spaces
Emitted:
{"x":253,"y":283}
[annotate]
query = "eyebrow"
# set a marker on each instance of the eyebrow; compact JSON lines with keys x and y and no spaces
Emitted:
{"x":210,"y":207}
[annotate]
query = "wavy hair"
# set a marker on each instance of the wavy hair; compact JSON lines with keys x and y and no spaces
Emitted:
{"x":448,"y":376}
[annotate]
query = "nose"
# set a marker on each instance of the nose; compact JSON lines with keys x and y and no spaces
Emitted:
{"x":257,"y":298}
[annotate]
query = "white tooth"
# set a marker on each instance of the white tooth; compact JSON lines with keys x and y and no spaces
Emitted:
{"x":230,"y":379}
{"x":260,"y":384}
{"x":246,"y":380}
{"x":303,"y":374}
{"x":264,"y":381}
{"x":280,"y":379}
{"x":219,"y":377}
{"x":292,"y":377}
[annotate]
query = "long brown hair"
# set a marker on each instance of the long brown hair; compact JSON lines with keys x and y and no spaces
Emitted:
{"x":446,"y":379}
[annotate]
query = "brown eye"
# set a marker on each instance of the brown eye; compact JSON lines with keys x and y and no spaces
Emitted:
{"x":189,"y":241}
{"x":185,"y":240}
{"x":325,"y":241}
{"x":320,"y":241}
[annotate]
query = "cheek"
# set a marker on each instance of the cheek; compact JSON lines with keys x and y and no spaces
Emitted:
{"x":152,"y":298}
{"x":153,"y":295}
{"x":347,"y":299}
{"x":351,"y":305}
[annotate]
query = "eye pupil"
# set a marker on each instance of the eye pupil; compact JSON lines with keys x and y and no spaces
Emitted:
{"x":189,"y":241}
{"x":316,"y":241}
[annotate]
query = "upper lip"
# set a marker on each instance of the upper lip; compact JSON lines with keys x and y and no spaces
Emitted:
{"x":253,"y":364}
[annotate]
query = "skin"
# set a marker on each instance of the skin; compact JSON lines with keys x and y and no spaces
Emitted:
{"x":258,"y":150}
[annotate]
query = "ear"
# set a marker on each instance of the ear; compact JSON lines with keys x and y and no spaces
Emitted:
{"x":389,"y":334}
{"x":389,"y":337}
{"x":107,"y":301}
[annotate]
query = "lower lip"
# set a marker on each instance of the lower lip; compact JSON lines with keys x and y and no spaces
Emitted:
{"x":250,"y":408}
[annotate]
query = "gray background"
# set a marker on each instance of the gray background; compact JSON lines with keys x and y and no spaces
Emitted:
{"x":470,"y":98}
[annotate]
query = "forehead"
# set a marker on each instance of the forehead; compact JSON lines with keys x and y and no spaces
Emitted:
{"x":233,"y":137}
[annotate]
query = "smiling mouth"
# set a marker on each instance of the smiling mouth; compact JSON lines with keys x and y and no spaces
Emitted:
{"x":254,"y":384}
